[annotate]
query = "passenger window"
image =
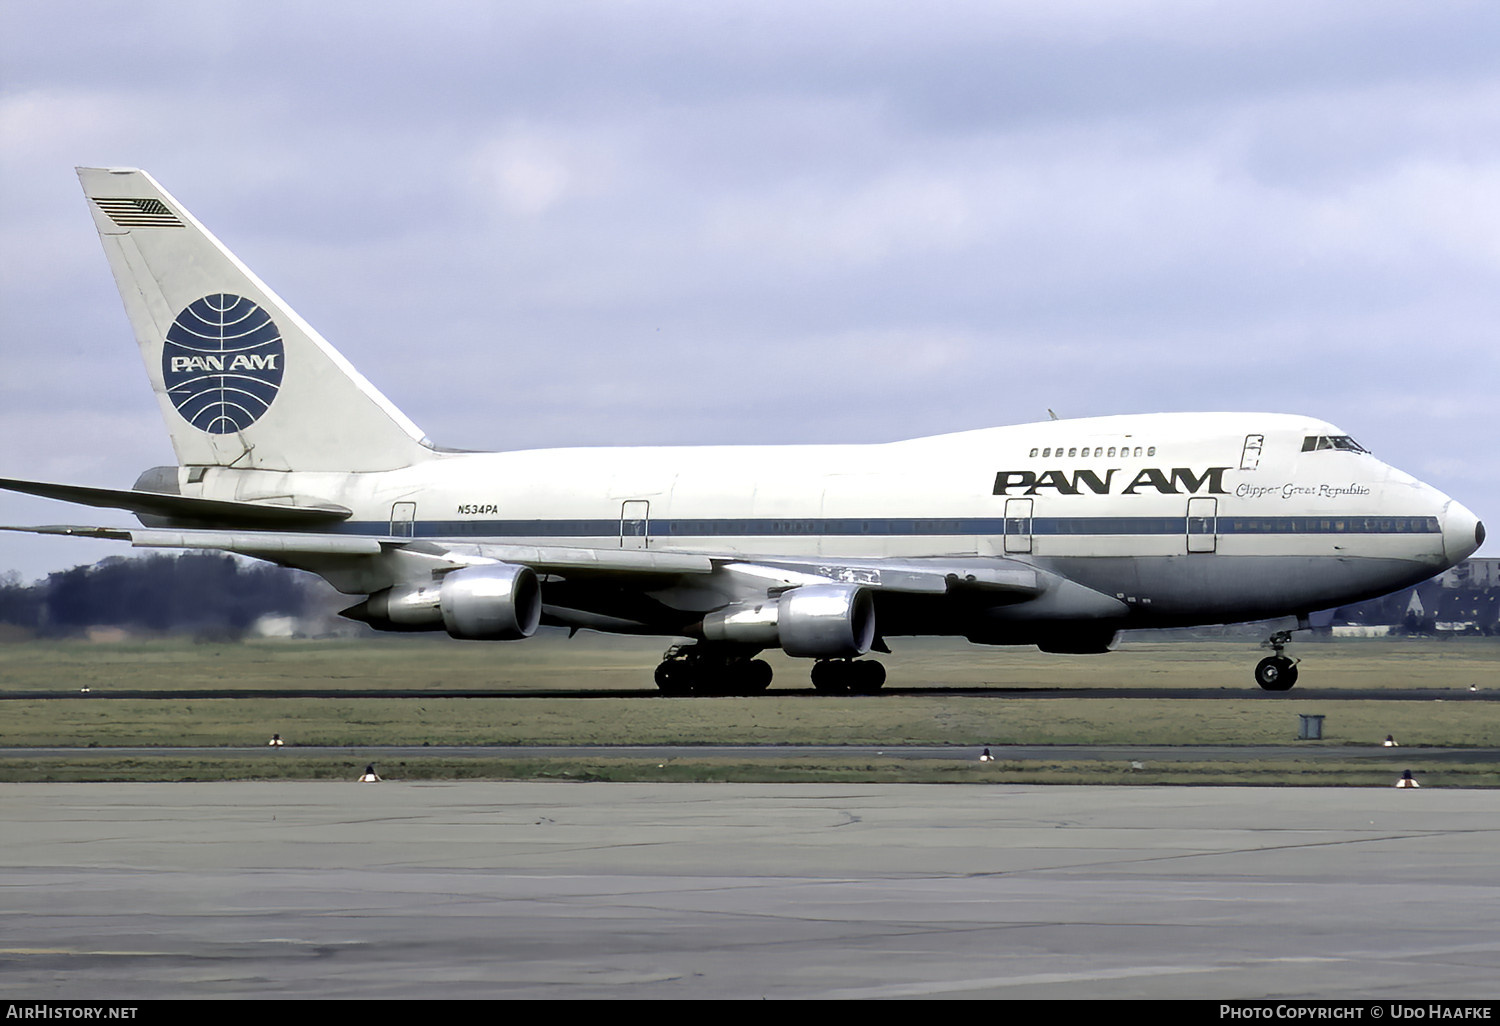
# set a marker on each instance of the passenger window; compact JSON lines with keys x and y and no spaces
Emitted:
{"x":1151,"y":451}
{"x":1033,"y":453}
{"x":1111,"y":452}
{"x":1073,"y":452}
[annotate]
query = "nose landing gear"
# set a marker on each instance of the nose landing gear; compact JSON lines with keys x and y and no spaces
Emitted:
{"x":1277,"y":672}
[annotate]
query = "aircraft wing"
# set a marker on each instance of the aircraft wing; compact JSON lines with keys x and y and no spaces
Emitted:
{"x":909,"y":576}
{"x":930,"y":576}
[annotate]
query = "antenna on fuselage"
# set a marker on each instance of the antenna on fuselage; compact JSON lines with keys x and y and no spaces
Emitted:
{"x":1051,"y":414}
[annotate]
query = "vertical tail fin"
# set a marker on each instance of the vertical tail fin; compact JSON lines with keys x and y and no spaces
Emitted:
{"x":241,"y":379}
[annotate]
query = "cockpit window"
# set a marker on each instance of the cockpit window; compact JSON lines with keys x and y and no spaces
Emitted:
{"x":1314,"y":442}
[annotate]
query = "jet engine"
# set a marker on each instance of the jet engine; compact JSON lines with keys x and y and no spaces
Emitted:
{"x":824,"y":621}
{"x":493,"y":602}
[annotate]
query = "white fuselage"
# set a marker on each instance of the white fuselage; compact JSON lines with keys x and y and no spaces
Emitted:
{"x":1185,"y":517}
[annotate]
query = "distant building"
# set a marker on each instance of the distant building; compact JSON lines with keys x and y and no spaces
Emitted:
{"x":1472,"y":573}
{"x":1461,"y":600}
{"x":273,"y":626}
{"x":1360,"y":630}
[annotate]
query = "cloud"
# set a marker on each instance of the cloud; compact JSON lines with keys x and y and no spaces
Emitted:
{"x":538,"y":224}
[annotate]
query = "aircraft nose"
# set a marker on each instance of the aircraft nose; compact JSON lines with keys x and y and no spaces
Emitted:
{"x":1462,"y":532}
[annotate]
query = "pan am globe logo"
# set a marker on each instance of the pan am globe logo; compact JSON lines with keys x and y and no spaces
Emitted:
{"x":222,"y":363}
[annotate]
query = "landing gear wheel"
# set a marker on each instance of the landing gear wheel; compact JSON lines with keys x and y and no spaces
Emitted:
{"x":844,"y":676}
{"x":696,"y":670}
{"x":867,"y":677}
{"x":674,"y":677}
{"x":828,"y":678}
{"x":1276,"y":673}
{"x":755,"y":676}
{"x":741,"y":677}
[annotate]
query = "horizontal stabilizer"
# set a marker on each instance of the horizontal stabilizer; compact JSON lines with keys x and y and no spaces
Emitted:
{"x":187,"y":509}
{"x":268,"y":544}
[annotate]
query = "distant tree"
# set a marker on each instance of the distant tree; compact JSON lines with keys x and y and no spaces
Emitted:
{"x":19,"y":604}
{"x":202,"y":593}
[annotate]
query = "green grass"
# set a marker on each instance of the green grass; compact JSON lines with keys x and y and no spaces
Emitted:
{"x":1243,"y":717}
{"x":597,"y":663}
{"x":893,"y":720}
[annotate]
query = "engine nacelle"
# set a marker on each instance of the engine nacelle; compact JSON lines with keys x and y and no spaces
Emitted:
{"x":496,"y":602}
{"x":492,"y":602}
{"x":827,"y":621}
{"x":823,"y":621}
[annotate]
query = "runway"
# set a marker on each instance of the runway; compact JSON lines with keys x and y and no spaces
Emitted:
{"x":997,"y":693}
{"x":545,"y":890}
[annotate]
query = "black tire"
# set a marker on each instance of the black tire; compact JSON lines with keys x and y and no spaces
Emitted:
{"x":674,"y":678}
{"x":1276,"y":673}
{"x":866,"y":677}
{"x":717,"y":678}
{"x":829,"y":678}
{"x":757,"y":676}
{"x":744,"y":677}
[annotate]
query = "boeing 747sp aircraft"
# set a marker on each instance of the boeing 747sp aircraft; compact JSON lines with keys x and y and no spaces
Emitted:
{"x":1057,"y":534}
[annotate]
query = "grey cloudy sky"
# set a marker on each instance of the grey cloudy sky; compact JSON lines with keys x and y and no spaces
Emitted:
{"x":554,"y":223}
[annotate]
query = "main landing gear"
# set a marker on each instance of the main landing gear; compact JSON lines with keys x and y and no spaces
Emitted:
{"x":848,"y":676}
{"x":699,"y":670}
{"x":1277,"y":672}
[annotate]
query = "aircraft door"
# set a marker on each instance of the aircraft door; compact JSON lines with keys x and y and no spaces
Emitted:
{"x":635,"y":524}
{"x":1202,"y":525}
{"x":403,"y":520}
{"x":1018,"y":525}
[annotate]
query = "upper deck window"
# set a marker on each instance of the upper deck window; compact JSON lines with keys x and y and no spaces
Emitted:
{"x":1312,"y":443}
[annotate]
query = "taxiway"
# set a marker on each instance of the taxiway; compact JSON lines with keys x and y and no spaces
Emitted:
{"x":535,"y":889}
